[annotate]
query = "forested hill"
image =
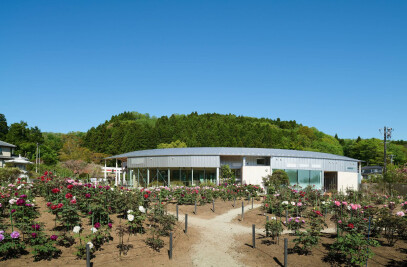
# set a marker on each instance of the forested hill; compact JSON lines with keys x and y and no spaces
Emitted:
{"x":131,"y":131}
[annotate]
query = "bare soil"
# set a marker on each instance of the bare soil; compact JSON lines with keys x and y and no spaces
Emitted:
{"x":110,"y":254}
{"x":270,"y":253}
{"x":206,"y":211}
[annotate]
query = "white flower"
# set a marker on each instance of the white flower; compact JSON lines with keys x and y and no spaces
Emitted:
{"x":142,"y":209}
{"x":77,"y":229}
{"x":323,"y":202}
{"x":19,"y":187}
{"x":293,"y":203}
{"x":90,"y":245}
{"x":93,"y":229}
{"x":349,"y":207}
{"x":130,"y":217}
{"x":129,"y":211}
{"x":273,"y":218}
{"x":284,"y":202}
{"x":12,"y":201}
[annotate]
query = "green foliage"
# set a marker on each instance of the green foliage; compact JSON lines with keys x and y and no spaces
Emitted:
{"x":274,"y":181}
{"x":227,"y":173}
{"x":155,"y":243}
{"x":11,"y":248}
{"x":393,"y":227}
{"x":175,"y":144}
{"x":9,"y":175}
{"x":43,"y":247}
{"x":3,"y":127}
{"x":305,"y":241}
{"x":274,"y":228}
{"x":354,"y":248}
{"x":133,"y":131}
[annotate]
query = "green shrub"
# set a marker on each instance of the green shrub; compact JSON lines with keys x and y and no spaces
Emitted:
{"x":9,"y":175}
{"x":275,"y":181}
{"x":353,"y":248}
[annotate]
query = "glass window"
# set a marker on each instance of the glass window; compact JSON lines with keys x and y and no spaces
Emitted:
{"x":315,"y":179}
{"x":261,"y":161}
{"x":303,"y":178}
{"x":293,"y":175}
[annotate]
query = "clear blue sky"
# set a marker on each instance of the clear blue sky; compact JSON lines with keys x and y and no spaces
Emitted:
{"x":340,"y":66}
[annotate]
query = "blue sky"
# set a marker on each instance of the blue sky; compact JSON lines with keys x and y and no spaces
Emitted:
{"x":340,"y":66}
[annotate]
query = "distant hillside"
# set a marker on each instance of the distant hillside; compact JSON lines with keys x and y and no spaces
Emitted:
{"x":131,"y":131}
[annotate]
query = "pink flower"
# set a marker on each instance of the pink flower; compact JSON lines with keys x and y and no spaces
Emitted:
{"x":299,"y":204}
{"x":345,"y":203}
{"x":73,"y":201}
{"x":400,"y":213}
{"x":337,"y":203}
{"x":340,"y":221}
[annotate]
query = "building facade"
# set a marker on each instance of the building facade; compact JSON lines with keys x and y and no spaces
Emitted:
{"x":6,"y":152}
{"x":196,"y":165}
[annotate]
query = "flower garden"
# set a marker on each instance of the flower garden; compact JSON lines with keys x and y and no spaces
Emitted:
{"x":53,"y":219}
{"x":40,"y":220}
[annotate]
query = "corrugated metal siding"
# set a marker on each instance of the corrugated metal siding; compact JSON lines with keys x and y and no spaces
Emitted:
{"x":232,"y":161}
{"x":313,"y":164}
{"x":174,"y":162}
{"x":230,"y":151}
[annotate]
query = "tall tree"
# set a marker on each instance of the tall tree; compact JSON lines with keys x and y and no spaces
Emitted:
{"x":3,"y":127}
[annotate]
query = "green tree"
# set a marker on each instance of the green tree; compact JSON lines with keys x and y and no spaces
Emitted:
{"x":175,"y":144}
{"x":275,"y":180}
{"x":227,"y":174}
{"x":3,"y":127}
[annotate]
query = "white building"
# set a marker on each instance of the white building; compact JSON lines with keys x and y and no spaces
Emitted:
{"x":194,"y":165}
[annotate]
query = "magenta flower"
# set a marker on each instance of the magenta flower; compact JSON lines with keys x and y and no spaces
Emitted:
{"x":15,"y":235}
{"x":97,"y":225}
{"x":110,"y":225}
{"x":35,"y":226}
{"x":20,"y":202}
{"x":54,"y":237}
{"x":33,"y":235}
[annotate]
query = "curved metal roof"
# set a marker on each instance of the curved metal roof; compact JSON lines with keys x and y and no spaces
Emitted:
{"x":230,"y":151}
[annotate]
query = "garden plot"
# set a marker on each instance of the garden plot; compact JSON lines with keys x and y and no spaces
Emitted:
{"x":50,"y":222}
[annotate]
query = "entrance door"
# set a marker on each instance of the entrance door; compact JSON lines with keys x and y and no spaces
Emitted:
{"x":330,"y":181}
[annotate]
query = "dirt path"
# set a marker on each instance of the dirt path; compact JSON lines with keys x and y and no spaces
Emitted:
{"x":215,"y":248}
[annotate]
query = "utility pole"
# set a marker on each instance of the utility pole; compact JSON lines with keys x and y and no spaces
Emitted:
{"x":36,"y":160}
{"x":386,"y":135}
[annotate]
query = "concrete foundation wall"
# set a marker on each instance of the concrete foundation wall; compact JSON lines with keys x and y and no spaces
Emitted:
{"x":254,"y":174}
{"x":347,"y":180}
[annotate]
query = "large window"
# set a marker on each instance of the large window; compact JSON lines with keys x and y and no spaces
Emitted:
{"x":304,"y":178}
{"x":293,"y":175}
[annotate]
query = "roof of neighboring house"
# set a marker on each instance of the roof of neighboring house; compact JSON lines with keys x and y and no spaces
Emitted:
{"x":230,"y":151}
{"x":2,"y":143}
{"x":372,"y":167}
